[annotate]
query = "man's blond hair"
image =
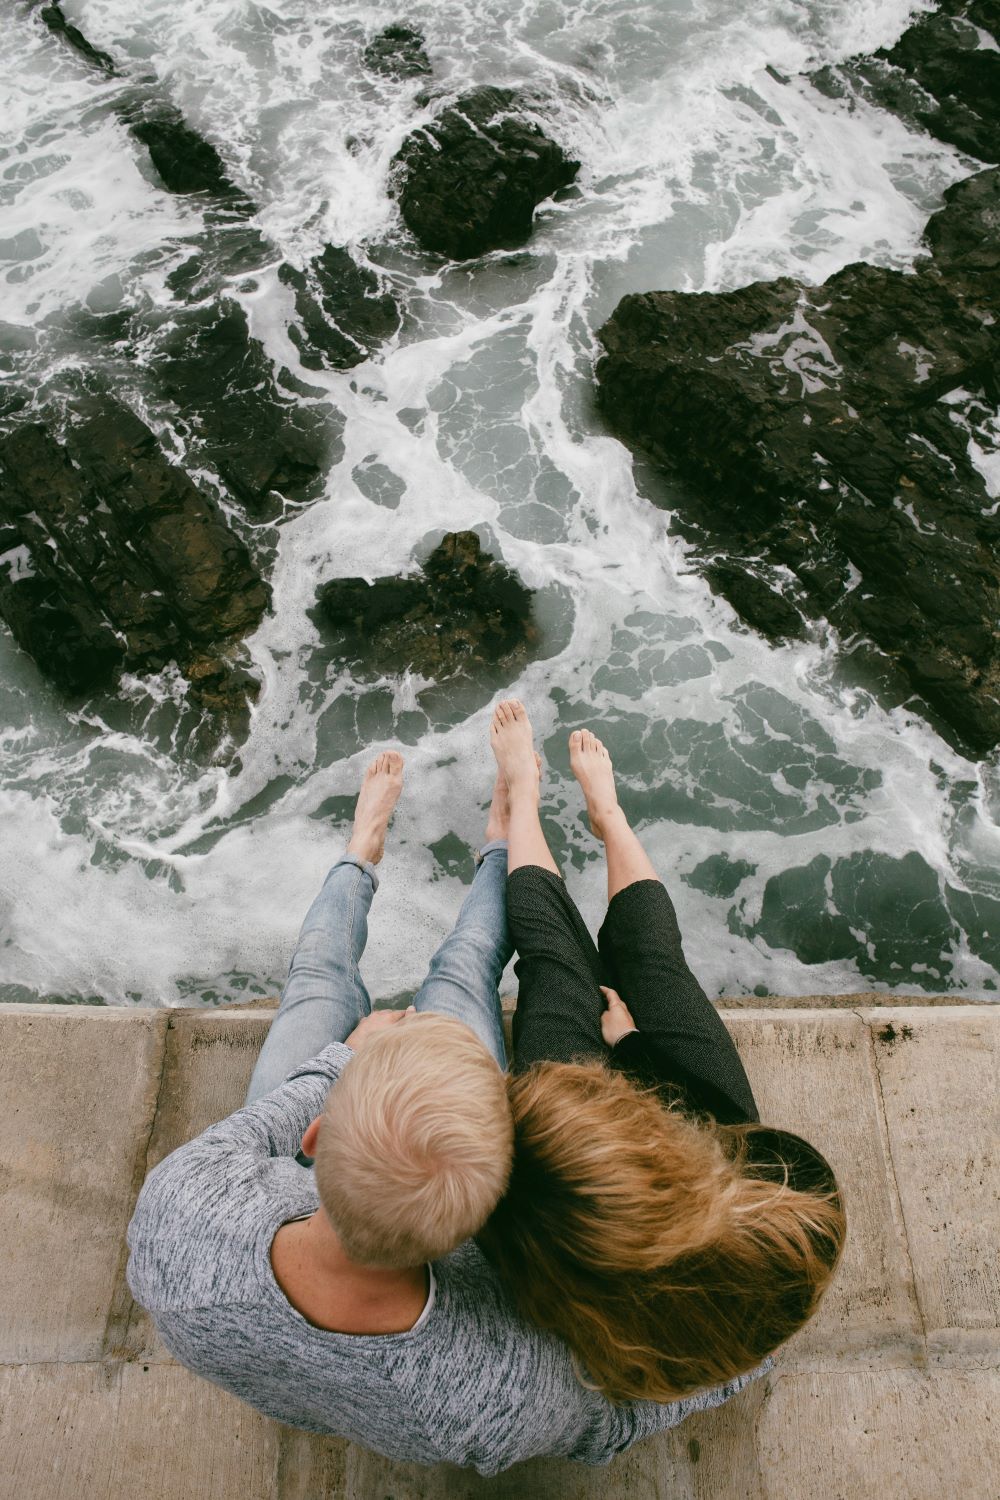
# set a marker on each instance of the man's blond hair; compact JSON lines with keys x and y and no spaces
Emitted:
{"x":415,"y":1143}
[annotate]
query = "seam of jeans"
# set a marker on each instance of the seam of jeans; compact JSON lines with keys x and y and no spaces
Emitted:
{"x":355,"y":971}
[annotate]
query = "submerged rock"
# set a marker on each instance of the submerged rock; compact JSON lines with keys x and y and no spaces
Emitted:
{"x":462,"y":612}
{"x":115,"y":558}
{"x":943,"y":74}
{"x":397,"y":52}
{"x":53,"y":17}
{"x":814,"y":424}
{"x":344,"y":310}
{"x":257,"y":438}
{"x":184,"y":160}
{"x":470,"y":181}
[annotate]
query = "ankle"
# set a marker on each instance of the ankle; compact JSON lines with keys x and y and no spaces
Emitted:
{"x":524,"y":787}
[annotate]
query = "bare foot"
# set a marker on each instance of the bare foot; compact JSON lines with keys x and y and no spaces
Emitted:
{"x":380,"y":789}
{"x":498,"y":818}
{"x":591,"y":765}
{"x":513,"y":745}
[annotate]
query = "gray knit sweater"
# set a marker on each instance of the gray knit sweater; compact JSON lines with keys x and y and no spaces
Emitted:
{"x":471,"y":1384}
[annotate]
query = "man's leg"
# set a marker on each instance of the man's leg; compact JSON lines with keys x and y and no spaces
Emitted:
{"x":324,"y":996}
{"x":464,"y":977}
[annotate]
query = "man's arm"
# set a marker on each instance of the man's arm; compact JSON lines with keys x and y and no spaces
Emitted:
{"x":209,"y":1189}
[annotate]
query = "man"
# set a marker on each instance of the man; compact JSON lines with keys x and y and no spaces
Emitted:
{"x":349,"y":1298}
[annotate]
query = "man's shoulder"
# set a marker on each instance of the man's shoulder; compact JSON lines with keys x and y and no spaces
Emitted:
{"x":195,"y":1236}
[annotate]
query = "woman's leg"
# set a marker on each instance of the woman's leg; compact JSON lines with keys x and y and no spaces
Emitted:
{"x":559,"y":1001}
{"x":640,"y":943}
{"x":324,"y":996}
{"x":464,"y":977}
{"x":627,"y":859}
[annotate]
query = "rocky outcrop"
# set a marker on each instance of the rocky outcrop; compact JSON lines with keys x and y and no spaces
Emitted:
{"x":461,"y":613}
{"x":344,"y":311}
{"x":943,"y":75}
{"x":185,"y":162}
{"x":397,"y":52}
{"x":819,"y":429}
{"x":112,"y":557}
{"x":255,"y":435}
{"x":470,"y":181}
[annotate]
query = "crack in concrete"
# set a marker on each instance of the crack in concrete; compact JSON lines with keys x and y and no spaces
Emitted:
{"x":894,"y":1180}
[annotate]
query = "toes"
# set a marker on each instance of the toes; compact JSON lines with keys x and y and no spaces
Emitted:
{"x":393,"y":760}
{"x":576,"y":739}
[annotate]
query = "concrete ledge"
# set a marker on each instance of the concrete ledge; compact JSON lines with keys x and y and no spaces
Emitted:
{"x":890,"y":1392}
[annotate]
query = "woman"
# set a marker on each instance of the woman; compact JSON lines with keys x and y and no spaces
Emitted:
{"x":650,"y":1221}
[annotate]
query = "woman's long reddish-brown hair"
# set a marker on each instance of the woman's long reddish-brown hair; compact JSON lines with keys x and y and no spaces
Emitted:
{"x":669,"y":1253}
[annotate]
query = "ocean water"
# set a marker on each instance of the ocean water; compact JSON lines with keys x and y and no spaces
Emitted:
{"x":814,"y":841}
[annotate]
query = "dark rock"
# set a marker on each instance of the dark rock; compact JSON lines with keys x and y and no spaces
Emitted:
{"x":55,"y":623}
{"x":939,"y":75}
{"x":831,"y":453}
{"x":221,"y":687}
{"x":470,"y":181}
{"x":184,"y":160}
{"x":397,"y":52}
{"x":53,"y":17}
{"x":257,"y":438}
{"x":201,"y":566}
{"x":463,"y":612}
{"x":123,"y":560}
{"x":755,"y":602}
{"x":344,"y":310}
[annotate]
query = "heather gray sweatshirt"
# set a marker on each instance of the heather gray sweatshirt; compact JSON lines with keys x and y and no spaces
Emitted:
{"x":471,"y":1383}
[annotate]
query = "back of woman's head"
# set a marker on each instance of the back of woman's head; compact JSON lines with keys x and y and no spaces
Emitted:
{"x":670,"y":1254}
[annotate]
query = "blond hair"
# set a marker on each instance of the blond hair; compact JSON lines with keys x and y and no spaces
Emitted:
{"x":415,"y":1143}
{"x":669,"y":1253}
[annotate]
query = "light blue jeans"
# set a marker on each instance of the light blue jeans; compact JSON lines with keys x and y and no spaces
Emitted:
{"x":325,"y":997}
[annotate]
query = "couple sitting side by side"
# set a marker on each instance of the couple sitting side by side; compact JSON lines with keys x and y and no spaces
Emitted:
{"x":482,"y":1267}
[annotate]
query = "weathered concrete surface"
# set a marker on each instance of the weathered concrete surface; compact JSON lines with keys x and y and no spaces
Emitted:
{"x":890,"y":1393}
{"x":947,"y":1178}
{"x":77,"y":1103}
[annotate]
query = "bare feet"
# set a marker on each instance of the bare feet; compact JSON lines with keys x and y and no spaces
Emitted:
{"x":498,"y":818}
{"x":380,"y":789}
{"x":513,"y":746}
{"x":591,"y":765}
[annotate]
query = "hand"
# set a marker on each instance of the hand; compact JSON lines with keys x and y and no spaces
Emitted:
{"x":377,"y":1021}
{"x":616,"y":1021}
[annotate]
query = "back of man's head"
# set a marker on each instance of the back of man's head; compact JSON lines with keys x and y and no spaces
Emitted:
{"x":415,"y":1144}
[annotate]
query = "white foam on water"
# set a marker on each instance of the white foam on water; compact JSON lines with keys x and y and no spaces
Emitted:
{"x":130,"y":869}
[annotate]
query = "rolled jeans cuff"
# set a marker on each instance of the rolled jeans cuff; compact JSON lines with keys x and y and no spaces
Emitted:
{"x":362,"y":864}
{"x":493,"y":844}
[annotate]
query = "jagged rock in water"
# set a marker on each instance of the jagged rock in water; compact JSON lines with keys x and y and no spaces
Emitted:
{"x":54,"y":621}
{"x":184,"y":160}
{"x":53,"y":17}
{"x":345,"y":312}
{"x":470,"y":181}
{"x":125,"y":560}
{"x":812,"y":424}
{"x":461,"y":613}
{"x":397,"y":52}
{"x":941,"y":74}
{"x":257,"y":438}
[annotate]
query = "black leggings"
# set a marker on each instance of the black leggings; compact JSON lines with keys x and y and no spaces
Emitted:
{"x":682,"y":1042}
